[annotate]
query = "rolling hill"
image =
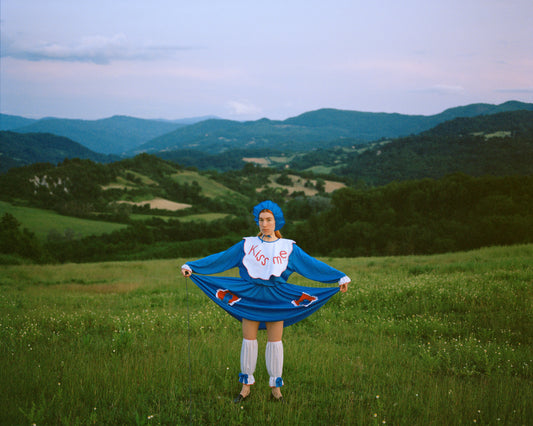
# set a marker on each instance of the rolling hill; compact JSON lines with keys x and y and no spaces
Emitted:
{"x":316,"y":129}
{"x":10,"y":122}
{"x":495,"y":145}
{"x":20,"y":149}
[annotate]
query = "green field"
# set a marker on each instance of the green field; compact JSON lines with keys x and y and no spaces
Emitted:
{"x":417,"y":340}
{"x":41,"y":222}
{"x":210,"y":188}
{"x":208,"y":217}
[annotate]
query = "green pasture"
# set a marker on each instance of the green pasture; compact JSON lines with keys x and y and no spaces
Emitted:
{"x":145,"y":180}
{"x":210,"y":187}
{"x":320,"y":169}
{"x":417,"y":340}
{"x":282,"y":160}
{"x":41,"y":222}
{"x":208,"y":217}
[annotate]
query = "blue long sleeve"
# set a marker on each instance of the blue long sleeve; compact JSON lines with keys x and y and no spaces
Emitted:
{"x":312,"y":268}
{"x":219,"y":262}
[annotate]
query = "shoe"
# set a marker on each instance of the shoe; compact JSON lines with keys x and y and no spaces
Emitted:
{"x":239,"y":398}
{"x":275,"y":397}
{"x":280,"y":399}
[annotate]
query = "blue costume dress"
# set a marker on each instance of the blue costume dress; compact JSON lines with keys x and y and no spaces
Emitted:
{"x":262,"y":292}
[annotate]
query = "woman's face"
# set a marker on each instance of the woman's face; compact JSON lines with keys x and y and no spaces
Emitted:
{"x":267,"y":223}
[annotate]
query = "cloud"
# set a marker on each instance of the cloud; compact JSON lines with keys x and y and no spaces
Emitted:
{"x":243,"y":108}
{"x":95,"y":49}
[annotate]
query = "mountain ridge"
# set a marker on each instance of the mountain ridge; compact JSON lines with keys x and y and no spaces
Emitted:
{"x":323,"y":127}
{"x":111,"y":135}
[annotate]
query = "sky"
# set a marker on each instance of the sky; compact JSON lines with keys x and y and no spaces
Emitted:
{"x":246,"y":59}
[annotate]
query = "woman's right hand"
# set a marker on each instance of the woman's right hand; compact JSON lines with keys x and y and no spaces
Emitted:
{"x":343,"y":284}
{"x":186,"y":271}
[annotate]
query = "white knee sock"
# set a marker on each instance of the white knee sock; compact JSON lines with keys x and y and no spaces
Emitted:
{"x":274,"y":363}
{"x":248,"y":361}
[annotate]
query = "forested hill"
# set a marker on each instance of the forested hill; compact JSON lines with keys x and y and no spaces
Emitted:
{"x":10,"y":122}
{"x":311,"y":130}
{"x":20,"y":149}
{"x":496,"y":145}
{"x":518,"y":123}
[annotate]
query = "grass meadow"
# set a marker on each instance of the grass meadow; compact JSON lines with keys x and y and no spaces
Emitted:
{"x":208,"y":217}
{"x":41,"y":222}
{"x":417,"y":340}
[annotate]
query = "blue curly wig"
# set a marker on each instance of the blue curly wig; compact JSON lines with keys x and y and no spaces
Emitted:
{"x":274,"y":208}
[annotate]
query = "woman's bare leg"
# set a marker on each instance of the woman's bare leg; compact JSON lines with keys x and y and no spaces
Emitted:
{"x":274,"y":331}
{"x":249,"y":329}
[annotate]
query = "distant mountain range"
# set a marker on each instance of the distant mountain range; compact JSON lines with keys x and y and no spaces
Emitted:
{"x":114,"y":135}
{"x":316,"y":129}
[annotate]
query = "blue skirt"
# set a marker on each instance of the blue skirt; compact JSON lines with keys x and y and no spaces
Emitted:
{"x":283,"y":302}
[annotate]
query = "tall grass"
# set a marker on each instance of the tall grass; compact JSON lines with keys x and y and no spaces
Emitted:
{"x":417,"y":340}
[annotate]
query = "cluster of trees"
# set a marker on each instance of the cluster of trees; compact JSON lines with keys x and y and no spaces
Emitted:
{"x":18,"y":243}
{"x":151,"y":239}
{"x":74,"y":182}
{"x":455,"y":213}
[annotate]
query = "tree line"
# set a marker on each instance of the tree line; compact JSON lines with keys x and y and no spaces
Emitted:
{"x":455,"y":213}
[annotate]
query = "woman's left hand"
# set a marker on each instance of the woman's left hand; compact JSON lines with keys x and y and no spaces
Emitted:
{"x":343,"y":287}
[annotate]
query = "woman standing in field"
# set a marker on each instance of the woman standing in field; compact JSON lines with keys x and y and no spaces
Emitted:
{"x":261,"y":298}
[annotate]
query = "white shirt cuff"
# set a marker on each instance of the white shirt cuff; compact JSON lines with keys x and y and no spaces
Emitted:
{"x":344,"y":280}
{"x":186,"y":267}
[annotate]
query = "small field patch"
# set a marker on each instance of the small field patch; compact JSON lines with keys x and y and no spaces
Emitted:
{"x":159,"y":203}
{"x":306,"y":186}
